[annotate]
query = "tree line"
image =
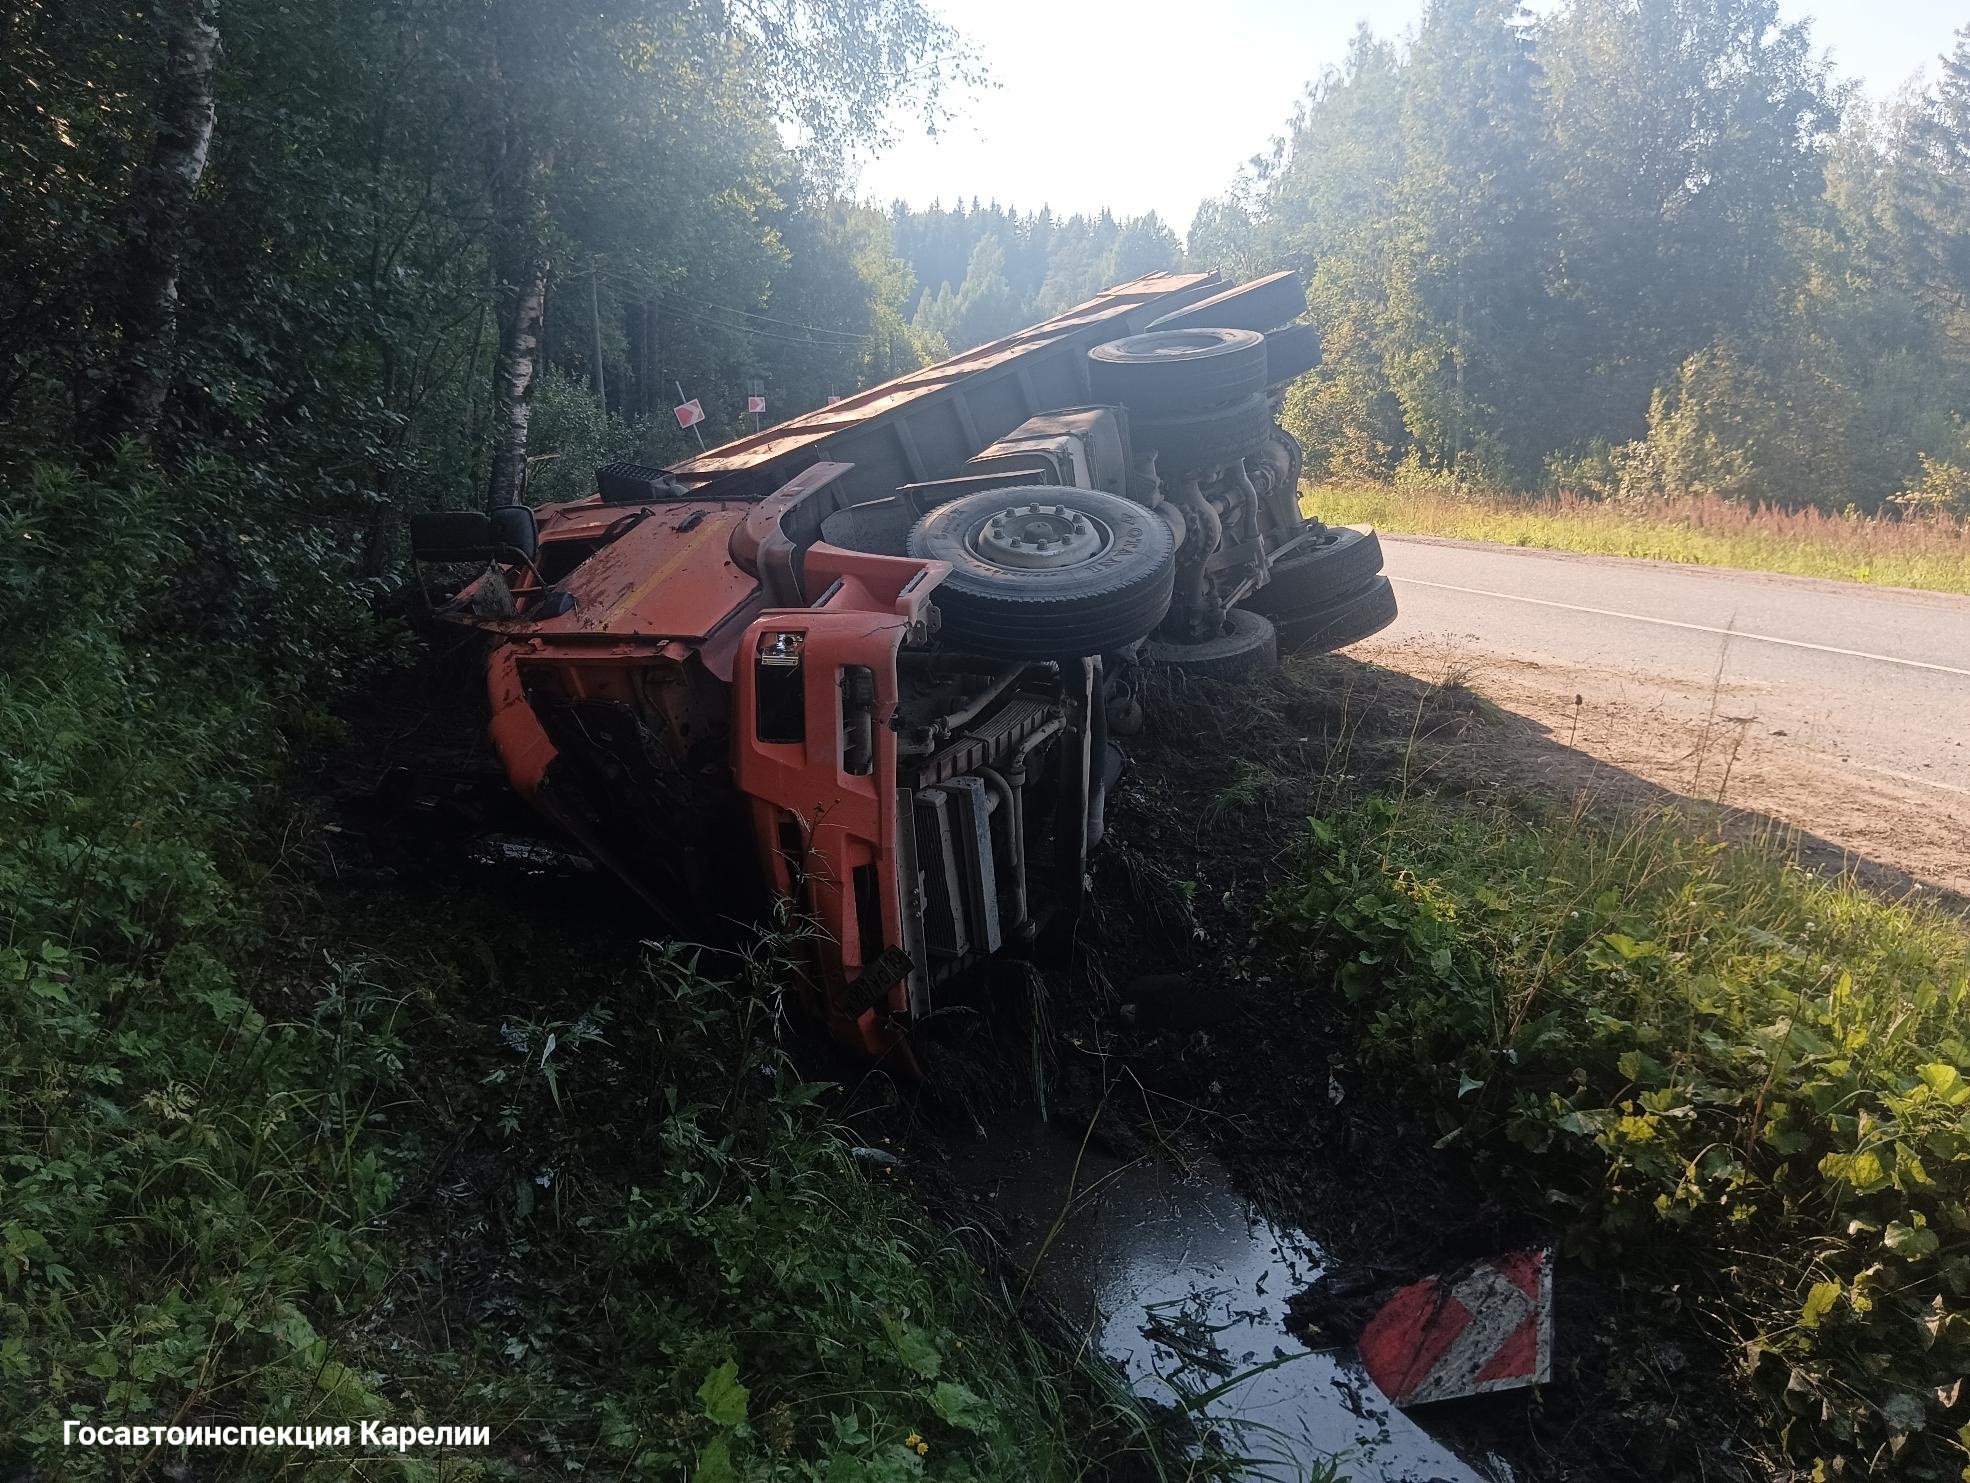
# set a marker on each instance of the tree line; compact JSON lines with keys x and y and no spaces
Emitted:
{"x":1637,"y":246}
{"x":1634,"y":246}
{"x":400,"y":252}
{"x":984,"y":271}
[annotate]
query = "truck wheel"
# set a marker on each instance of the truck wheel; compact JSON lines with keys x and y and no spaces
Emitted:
{"x":1045,"y":572}
{"x":1290,"y":353}
{"x":1348,"y":621}
{"x":1248,"y":646}
{"x":1178,"y":370}
{"x":1314,"y":576}
{"x":1262,"y":304}
{"x":1199,"y":441}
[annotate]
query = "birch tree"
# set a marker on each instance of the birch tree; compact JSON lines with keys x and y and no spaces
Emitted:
{"x":160,"y":208}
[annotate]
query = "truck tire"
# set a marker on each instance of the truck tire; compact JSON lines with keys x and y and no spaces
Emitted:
{"x":1347,"y":621}
{"x":1041,"y":571}
{"x":1263,"y":304}
{"x":1314,"y":576}
{"x":1248,"y":646}
{"x":1177,"y":370}
{"x":1290,"y":353}
{"x":1198,"y":441}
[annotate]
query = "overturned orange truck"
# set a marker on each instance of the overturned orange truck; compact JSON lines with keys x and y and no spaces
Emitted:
{"x":872,"y":661}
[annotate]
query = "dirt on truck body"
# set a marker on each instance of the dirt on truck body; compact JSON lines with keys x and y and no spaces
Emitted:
{"x":871,"y":661}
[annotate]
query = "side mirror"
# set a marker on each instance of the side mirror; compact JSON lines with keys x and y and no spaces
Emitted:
{"x":451,"y":535}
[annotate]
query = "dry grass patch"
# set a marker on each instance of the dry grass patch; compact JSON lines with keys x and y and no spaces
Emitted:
{"x":1928,"y":552}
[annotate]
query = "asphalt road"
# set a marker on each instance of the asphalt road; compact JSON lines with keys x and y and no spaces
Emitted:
{"x":1871,"y":680}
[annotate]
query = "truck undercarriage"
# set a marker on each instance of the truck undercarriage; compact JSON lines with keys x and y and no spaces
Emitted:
{"x":871,"y":662}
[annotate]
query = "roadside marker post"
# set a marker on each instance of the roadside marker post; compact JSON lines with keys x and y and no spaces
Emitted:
{"x":690,"y":412}
{"x":1484,"y":1327}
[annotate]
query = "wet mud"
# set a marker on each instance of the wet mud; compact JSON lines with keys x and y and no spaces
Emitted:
{"x":1159,"y":1262}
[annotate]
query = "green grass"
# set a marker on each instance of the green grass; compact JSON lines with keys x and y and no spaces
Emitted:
{"x":1736,"y":1081}
{"x":271,"y":1157}
{"x":1928,"y":553}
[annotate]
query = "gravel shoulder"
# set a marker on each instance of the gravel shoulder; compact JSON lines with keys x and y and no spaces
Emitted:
{"x":1835,"y":712}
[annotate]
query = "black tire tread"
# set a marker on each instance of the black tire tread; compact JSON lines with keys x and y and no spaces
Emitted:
{"x":1249,"y":645}
{"x":1126,"y":372}
{"x":1204,"y":439}
{"x":1309,"y":580}
{"x":1290,"y":353}
{"x":1349,"y":620}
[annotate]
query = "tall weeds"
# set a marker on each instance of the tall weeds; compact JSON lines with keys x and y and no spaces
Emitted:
{"x":1931,"y":552}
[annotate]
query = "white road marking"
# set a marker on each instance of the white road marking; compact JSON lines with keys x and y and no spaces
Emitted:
{"x":1909,"y":777}
{"x":1761,"y":638}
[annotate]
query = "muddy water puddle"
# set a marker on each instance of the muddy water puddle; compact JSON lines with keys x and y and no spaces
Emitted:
{"x":1178,"y":1279}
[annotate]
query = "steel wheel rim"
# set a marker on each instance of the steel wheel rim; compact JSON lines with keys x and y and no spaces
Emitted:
{"x":1040,"y":535}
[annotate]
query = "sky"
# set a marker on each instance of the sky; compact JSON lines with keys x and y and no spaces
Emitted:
{"x":1141,"y":105}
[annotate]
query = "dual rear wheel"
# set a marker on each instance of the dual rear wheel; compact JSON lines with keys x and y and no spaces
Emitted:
{"x":1052,"y":572}
{"x":1328,"y":594}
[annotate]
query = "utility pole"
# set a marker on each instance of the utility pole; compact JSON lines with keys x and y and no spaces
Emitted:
{"x":646,"y":378}
{"x":595,"y":313}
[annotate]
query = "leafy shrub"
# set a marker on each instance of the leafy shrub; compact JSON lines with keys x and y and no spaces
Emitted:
{"x":1944,"y":489}
{"x":183,"y":1188}
{"x":1348,"y":423}
{"x":572,"y":434}
{"x":219,"y":553}
{"x":1622,"y":471}
{"x":1708,"y":1065}
{"x":735,"y":1295}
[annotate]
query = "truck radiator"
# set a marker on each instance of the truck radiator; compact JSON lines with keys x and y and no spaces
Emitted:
{"x":988,"y":743}
{"x":960,"y":882}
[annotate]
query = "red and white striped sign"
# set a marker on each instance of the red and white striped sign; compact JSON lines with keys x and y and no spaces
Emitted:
{"x":690,"y":413}
{"x":755,"y":404}
{"x":1486,"y":1327}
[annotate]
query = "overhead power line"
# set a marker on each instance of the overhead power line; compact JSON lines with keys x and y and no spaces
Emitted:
{"x":679,"y":299}
{"x":755,"y":332}
{"x":849,"y":342}
{"x":702,"y":311}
